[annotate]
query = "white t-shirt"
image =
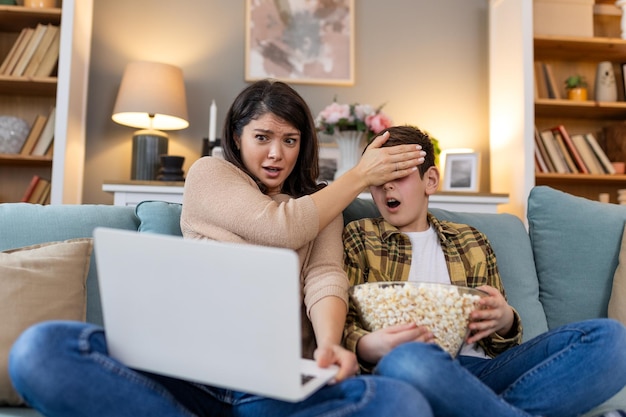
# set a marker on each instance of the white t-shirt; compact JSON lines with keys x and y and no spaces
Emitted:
{"x":429,"y":265}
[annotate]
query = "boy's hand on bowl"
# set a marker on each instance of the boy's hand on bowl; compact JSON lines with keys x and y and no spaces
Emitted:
{"x":493,"y":315}
{"x":373,"y":346}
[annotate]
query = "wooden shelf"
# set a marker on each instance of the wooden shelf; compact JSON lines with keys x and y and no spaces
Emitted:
{"x":577,"y":178}
{"x":15,"y":18}
{"x":547,"y":107}
{"x":40,"y":86}
{"x":585,"y":185}
{"x":579,"y":48}
{"x":24,"y":160}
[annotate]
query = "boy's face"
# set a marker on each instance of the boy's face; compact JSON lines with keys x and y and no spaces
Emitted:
{"x":404,"y":202}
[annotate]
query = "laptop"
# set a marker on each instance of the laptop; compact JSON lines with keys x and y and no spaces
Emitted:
{"x":221,"y":314}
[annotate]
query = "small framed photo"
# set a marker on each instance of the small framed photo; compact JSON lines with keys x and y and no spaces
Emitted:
{"x":300,"y":41}
{"x":461,"y":171}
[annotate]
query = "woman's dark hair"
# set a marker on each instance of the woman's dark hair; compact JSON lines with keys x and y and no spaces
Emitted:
{"x":405,"y":135}
{"x":278,"y":98}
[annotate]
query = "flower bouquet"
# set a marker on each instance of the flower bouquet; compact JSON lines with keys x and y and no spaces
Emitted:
{"x":338,"y":117}
{"x":349,"y":124}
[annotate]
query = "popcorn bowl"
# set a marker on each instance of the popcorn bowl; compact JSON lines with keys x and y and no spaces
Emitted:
{"x":443,"y":308}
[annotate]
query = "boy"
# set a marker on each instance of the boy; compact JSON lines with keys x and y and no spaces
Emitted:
{"x":493,"y":374}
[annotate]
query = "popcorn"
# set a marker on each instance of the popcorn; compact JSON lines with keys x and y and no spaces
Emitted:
{"x":444,"y":309}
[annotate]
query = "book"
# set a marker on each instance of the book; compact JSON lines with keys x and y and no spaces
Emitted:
{"x":50,"y":58}
{"x":46,"y":137}
{"x":44,"y":198}
{"x":600,"y":154}
{"x":33,"y":135}
{"x":541,"y":89}
{"x":571,"y":166}
{"x":543,"y":151}
{"x":30,"y":188}
{"x":29,"y":50}
{"x":555,"y":154}
{"x":41,"y":50}
{"x":540,"y":164}
{"x":23,"y":41}
{"x":38,"y":191}
{"x":571,"y":148}
{"x":12,"y":51}
{"x":587,"y":154}
{"x":553,"y":88}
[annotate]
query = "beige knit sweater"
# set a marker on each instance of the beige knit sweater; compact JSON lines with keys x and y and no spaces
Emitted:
{"x":221,"y":202}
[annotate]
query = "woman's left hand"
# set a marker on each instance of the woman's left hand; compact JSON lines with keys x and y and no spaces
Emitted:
{"x":494,"y":314}
{"x":337,"y":355}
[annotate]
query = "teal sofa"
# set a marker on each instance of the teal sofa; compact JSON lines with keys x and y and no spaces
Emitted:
{"x":559,"y":268}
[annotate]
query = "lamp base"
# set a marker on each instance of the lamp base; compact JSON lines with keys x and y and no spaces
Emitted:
{"x":148,"y":146}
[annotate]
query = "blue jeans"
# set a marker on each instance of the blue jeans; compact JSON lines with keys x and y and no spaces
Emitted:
{"x":564,"y":372}
{"x":62,"y":369}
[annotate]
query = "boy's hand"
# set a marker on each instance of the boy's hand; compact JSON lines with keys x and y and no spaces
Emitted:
{"x":493,"y":315}
{"x":375,"y":345}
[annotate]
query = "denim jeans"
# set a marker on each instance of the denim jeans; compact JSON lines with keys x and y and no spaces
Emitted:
{"x":62,"y":369}
{"x":564,"y":372}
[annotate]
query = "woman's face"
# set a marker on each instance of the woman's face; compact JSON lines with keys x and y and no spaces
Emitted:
{"x":269,"y":149}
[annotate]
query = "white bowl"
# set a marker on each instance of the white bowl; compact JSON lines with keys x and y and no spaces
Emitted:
{"x":444,"y":309}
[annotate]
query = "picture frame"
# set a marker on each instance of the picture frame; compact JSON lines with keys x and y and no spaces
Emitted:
{"x":461,"y":171}
{"x":301,"y":41}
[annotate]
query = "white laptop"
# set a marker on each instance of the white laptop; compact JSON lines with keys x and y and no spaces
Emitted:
{"x":222,"y":314}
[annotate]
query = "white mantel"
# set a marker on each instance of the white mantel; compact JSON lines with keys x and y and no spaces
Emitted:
{"x":131,"y":193}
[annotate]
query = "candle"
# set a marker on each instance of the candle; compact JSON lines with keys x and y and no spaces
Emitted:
{"x":212,"y":115}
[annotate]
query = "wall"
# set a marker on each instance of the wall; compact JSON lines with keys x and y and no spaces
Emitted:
{"x":427,"y":60}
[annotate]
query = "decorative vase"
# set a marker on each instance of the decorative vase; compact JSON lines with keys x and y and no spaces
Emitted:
{"x":606,"y":87}
{"x":349,"y":143}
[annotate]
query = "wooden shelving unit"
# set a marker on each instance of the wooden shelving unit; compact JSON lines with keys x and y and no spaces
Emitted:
{"x":577,"y":55}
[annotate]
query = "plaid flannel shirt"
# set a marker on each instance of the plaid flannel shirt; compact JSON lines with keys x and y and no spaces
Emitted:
{"x":374,"y":250}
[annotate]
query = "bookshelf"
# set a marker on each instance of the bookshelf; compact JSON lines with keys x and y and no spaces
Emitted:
{"x":569,"y":55}
{"x":27,"y":96}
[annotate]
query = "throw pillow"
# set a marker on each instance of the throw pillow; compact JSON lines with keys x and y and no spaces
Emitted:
{"x":617,"y":302}
{"x":40,"y":282}
{"x":159,"y":217}
{"x":575,"y":243}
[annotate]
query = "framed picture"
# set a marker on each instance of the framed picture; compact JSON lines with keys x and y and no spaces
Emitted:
{"x":460,"y":172}
{"x":300,"y":41}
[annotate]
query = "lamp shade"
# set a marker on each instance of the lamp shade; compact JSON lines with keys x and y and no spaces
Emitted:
{"x":151,"y":96}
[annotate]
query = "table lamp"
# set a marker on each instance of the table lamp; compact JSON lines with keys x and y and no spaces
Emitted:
{"x":152,"y":98}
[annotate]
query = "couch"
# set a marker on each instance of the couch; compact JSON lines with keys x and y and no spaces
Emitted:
{"x":556,"y":269}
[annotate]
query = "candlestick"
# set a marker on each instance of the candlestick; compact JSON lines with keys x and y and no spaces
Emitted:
{"x":212,"y":115}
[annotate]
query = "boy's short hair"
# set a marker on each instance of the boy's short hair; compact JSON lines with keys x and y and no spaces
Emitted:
{"x":406,"y":135}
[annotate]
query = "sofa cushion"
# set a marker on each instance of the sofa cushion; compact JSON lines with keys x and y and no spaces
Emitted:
{"x":617,"y":301}
{"x":576,"y":244}
{"x":40,"y":282}
{"x":511,"y":244}
{"x":23,"y":224}
{"x":159,"y":217}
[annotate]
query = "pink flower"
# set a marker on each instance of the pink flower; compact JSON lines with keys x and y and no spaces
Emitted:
{"x":335,"y":112}
{"x":378,"y":121}
{"x":355,"y":116}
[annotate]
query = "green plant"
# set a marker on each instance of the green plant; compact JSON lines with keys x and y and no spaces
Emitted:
{"x":575,"y":81}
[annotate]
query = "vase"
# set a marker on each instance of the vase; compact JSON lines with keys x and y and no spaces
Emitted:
{"x":349,"y":144}
{"x":606,"y":86}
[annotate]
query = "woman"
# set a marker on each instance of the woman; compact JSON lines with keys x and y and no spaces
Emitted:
{"x":263,"y":193}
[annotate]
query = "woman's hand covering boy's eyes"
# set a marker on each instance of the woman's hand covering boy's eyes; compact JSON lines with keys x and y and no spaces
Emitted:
{"x":380,"y":165}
